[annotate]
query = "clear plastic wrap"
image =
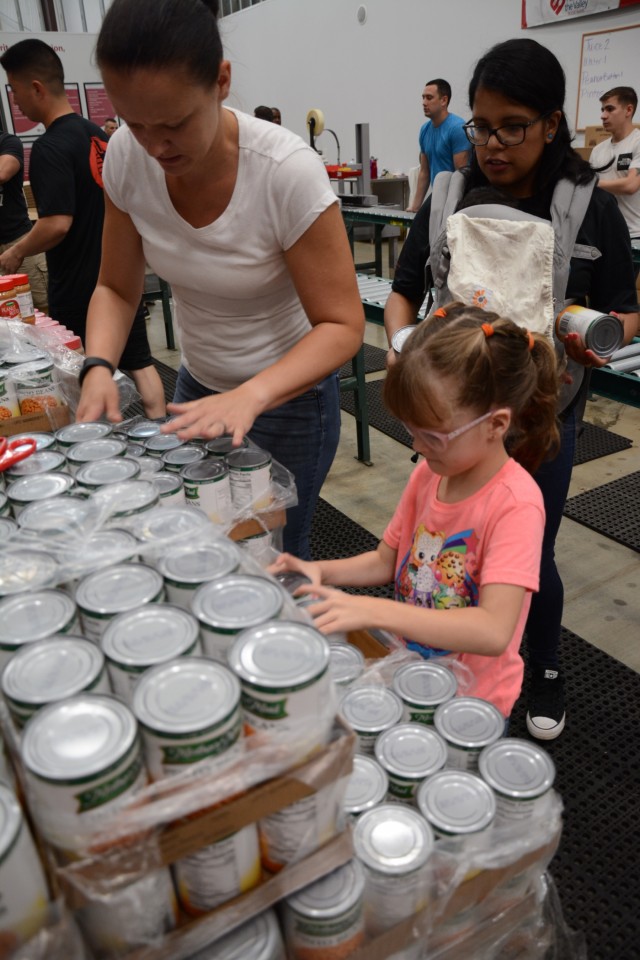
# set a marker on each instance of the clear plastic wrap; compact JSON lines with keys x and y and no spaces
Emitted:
{"x":59,"y":939}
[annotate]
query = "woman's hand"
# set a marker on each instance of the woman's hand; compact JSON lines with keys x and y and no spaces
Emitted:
{"x":575,"y":348}
{"x":338,"y":612}
{"x":99,"y":397}
{"x":231,"y":413}
{"x":286,"y":562}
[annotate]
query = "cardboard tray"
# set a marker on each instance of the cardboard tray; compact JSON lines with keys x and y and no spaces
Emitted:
{"x":36,"y":422}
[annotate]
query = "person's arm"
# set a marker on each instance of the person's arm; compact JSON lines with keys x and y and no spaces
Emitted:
{"x":111,"y":311}
{"x":623,"y":186}
{"x":409,"y":283}
{"x":321,"y":267}
{"x":371,"y":569}
{"x":461,"y":160}
{"x":422,"y":185}
{"x":9,"y":166}
{"x":46,"y":233}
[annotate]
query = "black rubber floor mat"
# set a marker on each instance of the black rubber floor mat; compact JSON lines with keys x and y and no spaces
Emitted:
{"x":374,"y":360}
{"x":168,"y":376}
{"x":597,"y":757}
{"x":612,"y":510}
{"x":595,"y":442}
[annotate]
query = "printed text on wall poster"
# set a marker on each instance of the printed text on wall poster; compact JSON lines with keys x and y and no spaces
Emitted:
{"x":537,"y":12}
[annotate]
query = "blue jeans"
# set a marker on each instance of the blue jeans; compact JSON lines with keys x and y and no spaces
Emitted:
{"x":545,"y":615}
{"x":302,"y":435}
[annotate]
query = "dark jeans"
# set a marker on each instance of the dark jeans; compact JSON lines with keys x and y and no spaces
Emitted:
{"x":545,"y":615}
{"x":302,"y":435}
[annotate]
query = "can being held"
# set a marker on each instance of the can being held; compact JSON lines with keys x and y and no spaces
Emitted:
{"x":422,"y":687}
{"x":228,"y":605}
{"x":400,"y":337}
{"x":325,"y":921}
{"x":467,"y":725}
{"x":250,"y":476}
{"x":219,"y":447}
{"x":186,"y":568}
{"x":27,"y":617}
{"x":23,"y":887}
{"x":600,"y":332}
{"x":104,"y":594}
{"x":409,"y":753}
{"x":370,"y":710}
{"x":206,"y":485}
{"x":367,"y":786}
{"x":521,"y":775}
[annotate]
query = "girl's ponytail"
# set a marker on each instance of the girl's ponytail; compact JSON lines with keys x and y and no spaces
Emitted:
{"x":534,"y":434}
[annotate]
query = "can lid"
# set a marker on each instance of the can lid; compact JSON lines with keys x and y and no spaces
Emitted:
{"x":236,"y":601}
{"x":199,"y":564}
{"x":39,"y":486}
{"x":43,"y":440}
{"x":401,"y":335}
{"x":23,"y":354}
{"x":57,"y":515}
{"x":393,"y":839}
{"x":346,"y":662}
{"x":152,"y":634}
{"x":143,"y":430}
{"x":469,"y":722}
{"x":126,"y":498}
{"x":424,"y":684}
{"x":167,"y":483}
{"x":103,"y":472}
{"x":51,"y":669}
{"x":22,"y":570}
{"x":119,"y":588}
{"x":605,"y":336}
{"x":34,"y":616}
{"x":44,"y":461}
{"x":411,"y":750}
{"x":456,"y":802}
{"x":78,"y":737}
{"x":331,"y":895}
{"x":279,"y":655}
{"x":181,"y":456}
{"x":221,"y":446}
{"x":106,"y":547}
{"x":258,"y":939}
{"x":134,"y":449}
{"x":291,"y":580}
{"x":167,"y":523}
{"x":88,"y":450}
{"x":185,"y":696}
{"x":160,"y":442}
{"x":371,"y":709}
{"x":149,"y":466}
{"x":10,"y":819}
{"x":517,"y":769}
{"x":248,"y":458}
{"x":367,"y":786}
{"x":79,"y":432}
{"x":7,"y":529}
{"x":205,"y":470}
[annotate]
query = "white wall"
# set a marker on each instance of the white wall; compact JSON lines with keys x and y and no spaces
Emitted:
{"x":299,"y":54}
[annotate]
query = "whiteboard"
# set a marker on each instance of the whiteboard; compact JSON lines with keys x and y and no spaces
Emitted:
{"x":609,"y":59}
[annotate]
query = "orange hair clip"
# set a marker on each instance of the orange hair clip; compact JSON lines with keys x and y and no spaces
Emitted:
{"x":488,"y":330}
{"x":440,"y":312}
{"x":531,"y":340}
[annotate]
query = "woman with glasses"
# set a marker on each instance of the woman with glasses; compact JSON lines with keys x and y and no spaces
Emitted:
{"x":522,"y":148}
{"x":463,"y":547}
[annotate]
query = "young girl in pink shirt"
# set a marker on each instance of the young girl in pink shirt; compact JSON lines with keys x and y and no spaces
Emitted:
{"x":478,"y":395}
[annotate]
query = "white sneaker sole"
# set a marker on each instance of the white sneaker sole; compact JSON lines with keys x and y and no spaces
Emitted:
{"x":545,"y":733}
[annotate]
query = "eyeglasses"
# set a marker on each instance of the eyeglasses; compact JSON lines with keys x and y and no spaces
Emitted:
{"x":438,"y":441}
{"x":510,"y":135}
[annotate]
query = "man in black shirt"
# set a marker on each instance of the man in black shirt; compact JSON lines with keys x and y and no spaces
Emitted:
{"x":14,"y":216}
{"x":66,"y":179}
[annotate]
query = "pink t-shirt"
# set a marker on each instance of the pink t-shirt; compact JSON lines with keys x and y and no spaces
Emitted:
{"x":448,"y":551}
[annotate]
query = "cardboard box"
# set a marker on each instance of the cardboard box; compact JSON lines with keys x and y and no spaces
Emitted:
{"x":36,"y":422}
{"x":594,"y":135}
{"x":585,"y":152}
{"x":269,"y":520}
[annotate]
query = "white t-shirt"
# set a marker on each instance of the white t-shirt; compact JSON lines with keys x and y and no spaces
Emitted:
{"x":622,"y":157}
{"x":237,"y":309}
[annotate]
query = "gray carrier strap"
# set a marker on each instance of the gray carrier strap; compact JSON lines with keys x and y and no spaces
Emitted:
{"x":448,"y":190}
{"x":569,"y":206}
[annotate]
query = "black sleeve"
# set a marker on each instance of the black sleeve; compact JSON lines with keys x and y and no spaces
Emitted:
{"x":608,"y":282}
{"x":12,"y":147}
{"x":409,"y":279}
{"x":51,"y":171}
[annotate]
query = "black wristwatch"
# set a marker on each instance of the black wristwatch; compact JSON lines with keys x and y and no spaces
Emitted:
{"x":90,"y":362}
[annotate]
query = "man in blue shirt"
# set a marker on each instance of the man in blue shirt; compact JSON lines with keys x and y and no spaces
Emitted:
{"x":443,"y":144}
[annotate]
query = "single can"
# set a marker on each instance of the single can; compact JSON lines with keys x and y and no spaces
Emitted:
{"x":393,"y":842}
{"x":89,"y":451}
{"x":283,"y":667}
{"x":133,"y":449}
{"x":46,"y":461}
{"x":9,"y":404}
{"x":126,"y":500}
{"x":184,"y":569}
{"x":456,"y":803}
{"x":80,"y":432}
{"x":50,"y":670}
{"x":228,"y":605}
{"x":467,"y":725}
{"x":600,"y":332}
{"x":5,"y":506}
{"x":370,"y":710}
{"x":409,"y":753}
{"x":180,"y":457}
{"x":250,"y":478}
{"x":23,"y":887}
{"x":104,"y":594}
{"x":102,"y":473}
{"x":26,"y":617}
{"x":219,"y":872}
{"x":135,"y":641}
{"x":161,"y":442}
{"x":170,"y":486}
{"x":422,"y":687}
{"x":400,"y":337}
{"x":163,"y":527}
{"x":36,"y":388}
{"x":102,"y":549}
{"x":367,"y":786}
{"x":40,"y":486}
{"x":57,"y":516}
{"x":206,"y":485}
{"x":259,"y":547}
{"x":8,"y":528}
{"x":23,"y":353}
{"x":142,"y":430}
{"x":43,"y":440}
{"x":149,"y":466}
{"x":23,"y":570}
{"x":189,"y":711}
{"x":521,"y":775}
{"x":346,"y":663}
{"x":219,"y":447}
{"x":258,"y":939}
{"x":325,"y":921}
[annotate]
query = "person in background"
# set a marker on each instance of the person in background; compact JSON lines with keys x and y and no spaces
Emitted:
{"x":66,"y":179}
{"x":239,"y":217}
{"x":264,"y":113}
{"x":463,"y":547}
{"x":110,"y":126}
{"x":277,"y":116}
{"x":443,"y":145}
{"x":14,"y":216}
{"x":617,"y":160}
{"x":522,"y":147}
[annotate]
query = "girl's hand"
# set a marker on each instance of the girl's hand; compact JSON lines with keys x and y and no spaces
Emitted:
{"x":286,"y":562}
{"x":231,"y":413}
{"x":338,"y":612}
{"x":576,"y":349}
{"x":99,"y":396}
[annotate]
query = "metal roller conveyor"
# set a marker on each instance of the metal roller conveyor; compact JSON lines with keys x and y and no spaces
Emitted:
{"x":626,"y":365}
{"x":632,"y":350}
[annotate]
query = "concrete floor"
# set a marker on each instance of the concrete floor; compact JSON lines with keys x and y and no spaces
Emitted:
{"x":602,"y":578}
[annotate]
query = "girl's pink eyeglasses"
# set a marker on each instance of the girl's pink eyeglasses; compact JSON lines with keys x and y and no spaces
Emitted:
{"x":438,"y":441}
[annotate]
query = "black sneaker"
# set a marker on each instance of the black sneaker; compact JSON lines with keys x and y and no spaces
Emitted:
{"x":545,"y":717}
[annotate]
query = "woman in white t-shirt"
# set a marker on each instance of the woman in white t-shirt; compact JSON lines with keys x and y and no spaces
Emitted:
{"x":239,"y":217}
